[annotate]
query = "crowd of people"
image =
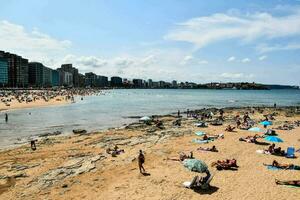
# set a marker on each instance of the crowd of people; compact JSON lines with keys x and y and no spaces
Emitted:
{"x":27,"y":96}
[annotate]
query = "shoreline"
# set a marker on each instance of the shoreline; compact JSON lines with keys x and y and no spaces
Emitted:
{"x":78,"y":167}
{"x":136,"y":121}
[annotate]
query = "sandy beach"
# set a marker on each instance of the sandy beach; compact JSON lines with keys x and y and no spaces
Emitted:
{"x":78,"y":167}
{"x":18,"y":99}
{"x":38,"y":103}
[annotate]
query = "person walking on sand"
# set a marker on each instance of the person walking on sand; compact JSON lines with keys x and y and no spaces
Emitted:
{"x":141,"y":161}
{"x":32,"y":145}
{"x":6,"y":117}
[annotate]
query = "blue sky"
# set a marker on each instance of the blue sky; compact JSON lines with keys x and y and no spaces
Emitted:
{"x":192,"y":40}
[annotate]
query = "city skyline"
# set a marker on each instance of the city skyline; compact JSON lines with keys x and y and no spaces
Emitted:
{"x":171,"y":40}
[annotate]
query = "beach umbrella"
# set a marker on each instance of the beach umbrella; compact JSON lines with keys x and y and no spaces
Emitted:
{"x":145,"y":118}
{"x":273,"y":139}
{"x":200,"y":133}
{"x":195,"y":165}
{"x":255,"y":129}
{"x":266,"y":123}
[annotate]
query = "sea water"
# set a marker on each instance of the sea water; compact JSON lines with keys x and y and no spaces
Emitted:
{"x":117,"y":107}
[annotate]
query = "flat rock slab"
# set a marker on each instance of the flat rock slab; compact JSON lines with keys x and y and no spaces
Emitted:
{"x":72,"y":167}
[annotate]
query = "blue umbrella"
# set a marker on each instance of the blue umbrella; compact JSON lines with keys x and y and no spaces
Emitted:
{"x":266,"y":123}
{"x":273,"y":139}
{"x":255,"y":129}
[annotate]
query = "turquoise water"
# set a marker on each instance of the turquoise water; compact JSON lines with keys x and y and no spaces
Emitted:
{"x":114,"y":108}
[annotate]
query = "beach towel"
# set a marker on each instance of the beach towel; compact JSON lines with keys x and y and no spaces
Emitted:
{"x":187,"y":184}
{"x":295,"y":167}
{"x":262,"y":152}
{"x":200,"y":133}
{"x":201,"y":124}
{"x":255,"y":129}
{"x":201,"y":141}
{"x":270,"y":167}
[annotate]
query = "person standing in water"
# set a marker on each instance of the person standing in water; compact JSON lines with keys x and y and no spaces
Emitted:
{"x":6,"y":117}
{"x":141,"y":161}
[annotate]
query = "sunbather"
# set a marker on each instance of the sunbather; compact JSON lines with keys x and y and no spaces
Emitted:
{"x":281,"y":166}
{"x":211,"y":137}
{"x":115,"y":151}
{"x":279,"y":152}
{"x":230,"y":128}
{"x":225,"y":164}
{"x":271,"y":149}
{"x":212,"y":149}
{"x":182,"y":157}
{"x":292,"y":183}
{"x":250,"y":139}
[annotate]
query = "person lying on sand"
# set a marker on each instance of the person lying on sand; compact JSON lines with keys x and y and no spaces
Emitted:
{"x":250,"y":139}
{"x":182,"y":157}
{"x":292,"y":183}
{"x":230,"y":128}
{"x":212,"y":149}
{"x":115,"y":151}
{"x":210,"y":137}
{"x":225,"y":164}
{"x":281,"y":166}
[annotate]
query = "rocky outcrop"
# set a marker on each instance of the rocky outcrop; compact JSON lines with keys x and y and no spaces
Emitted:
{"x":73,"y":167}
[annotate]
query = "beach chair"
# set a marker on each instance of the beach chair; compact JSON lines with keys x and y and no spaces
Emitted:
{"x":290,"y":152}
{"x":206,"y":185}
{"x":203,"y":186}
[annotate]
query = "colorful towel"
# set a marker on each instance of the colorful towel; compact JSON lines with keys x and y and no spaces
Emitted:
{"x":200,"y":133}
{"x":201,"y":141}
{"x":270,"y":167}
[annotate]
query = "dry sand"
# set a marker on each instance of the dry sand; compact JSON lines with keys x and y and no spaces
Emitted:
{"x":73,"y":167}
{"x":38,"y":103}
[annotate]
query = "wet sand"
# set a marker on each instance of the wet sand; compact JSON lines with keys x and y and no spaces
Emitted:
{"x":78,"y":167}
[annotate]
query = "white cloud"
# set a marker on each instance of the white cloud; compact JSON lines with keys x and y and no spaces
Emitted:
{"x":31,"y":44}
{"x":231,"y":59}
{"x":262,"y":57}
{"x":203,"y":62}
{"x":245,"y":60}
{"x":264,"y":48}
{"x":202,"y":31}
{"x":236,"y":76}
{"x":85,"y":61}
{"x":187,"y":59}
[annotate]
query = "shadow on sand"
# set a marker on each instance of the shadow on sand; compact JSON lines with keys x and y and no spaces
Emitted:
{"x":262,"y":143}
{"x":146,"y":174}
{"x":211,"y":190}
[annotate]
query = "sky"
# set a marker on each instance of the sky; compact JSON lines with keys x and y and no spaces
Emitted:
{"x":185,"y":40}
